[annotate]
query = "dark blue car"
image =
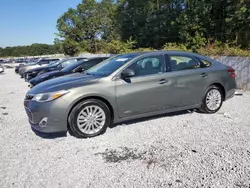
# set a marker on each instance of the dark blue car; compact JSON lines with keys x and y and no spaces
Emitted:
{"x":58,"y":65}
{"x":79,"y":66}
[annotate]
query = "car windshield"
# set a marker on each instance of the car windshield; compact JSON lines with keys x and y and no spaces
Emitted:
{"x":31,"y":63}
{"x":110,"y":65}
{"x":73,"y":65}
{"x":55,"y":63}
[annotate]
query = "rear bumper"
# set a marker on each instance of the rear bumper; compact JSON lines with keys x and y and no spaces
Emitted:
{"x":230,"y":94}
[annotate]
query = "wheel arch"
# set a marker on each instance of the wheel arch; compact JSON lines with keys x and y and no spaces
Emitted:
{"x":223,"y":90}
{"x":100,"y":98}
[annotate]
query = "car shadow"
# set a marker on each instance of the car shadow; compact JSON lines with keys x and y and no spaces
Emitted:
{"x":50,"y":135}
{"x":130,"y":122}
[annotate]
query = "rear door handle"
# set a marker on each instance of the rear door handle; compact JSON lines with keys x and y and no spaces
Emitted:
{"x":203,"y":75}
{"x":163,"y":81}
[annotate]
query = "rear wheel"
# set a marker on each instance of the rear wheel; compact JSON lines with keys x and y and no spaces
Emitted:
{"x":89,"y":118}
{"x":212,"y":101}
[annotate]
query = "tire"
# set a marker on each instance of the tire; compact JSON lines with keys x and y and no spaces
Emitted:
{"x":81,"y":111}
{"x":217,"y":100}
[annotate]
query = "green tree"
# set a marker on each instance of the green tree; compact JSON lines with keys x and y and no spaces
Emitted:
{"x":31,"y":50}
{"x":88,"y":22}
{"x":70,"y":47}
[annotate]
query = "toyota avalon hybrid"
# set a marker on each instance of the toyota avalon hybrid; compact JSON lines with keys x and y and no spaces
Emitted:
{"x":126,"y":87}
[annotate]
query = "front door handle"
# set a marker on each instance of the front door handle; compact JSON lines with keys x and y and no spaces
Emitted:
{"x":163,"y":81}
{"x":203,"y":75}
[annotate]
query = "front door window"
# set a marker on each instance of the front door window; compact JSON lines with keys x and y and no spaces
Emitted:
{"x":148,"y":66}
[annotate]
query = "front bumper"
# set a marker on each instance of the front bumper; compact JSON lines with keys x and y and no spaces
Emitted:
{"x":55,"y":112}
{"x":33,"y":82}
{"x":30,"y":85}
{"x":48,"y":129}
{"x":30,"y":76}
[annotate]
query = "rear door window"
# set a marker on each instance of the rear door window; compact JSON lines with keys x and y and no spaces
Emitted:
{"x":179,"y":62}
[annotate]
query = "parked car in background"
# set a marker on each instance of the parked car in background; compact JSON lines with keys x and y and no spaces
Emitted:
{"x":1,"y":68}
{"x":76,"y":67}
{"x":18,"y":67}
{"x":126,"y":87}
{"x":39,"y":63}
{"x":58,"y":65}
{"x":20,"y":64}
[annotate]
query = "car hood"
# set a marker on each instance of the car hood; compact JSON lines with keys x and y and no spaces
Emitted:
{"x":30,"y":67}
{"x":39,"y":68}
{"x":48,"y":74}
{"x":64,"y":83}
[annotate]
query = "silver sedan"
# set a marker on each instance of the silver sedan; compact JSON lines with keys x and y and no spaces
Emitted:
{"x":126,"y":87}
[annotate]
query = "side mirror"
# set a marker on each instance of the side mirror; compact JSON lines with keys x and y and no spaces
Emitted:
{"x":79,"y":69}
{"x":127,"y":73}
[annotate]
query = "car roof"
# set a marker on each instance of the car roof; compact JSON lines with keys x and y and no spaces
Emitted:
{"x":97,"y":58}
{"x":160,"y":51}
{"x":136,"y":53}
{"x":172,"y":52}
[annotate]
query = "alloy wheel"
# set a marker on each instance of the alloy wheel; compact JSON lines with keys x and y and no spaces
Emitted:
{"x":213,"y":99}
{"x":91,"y":119}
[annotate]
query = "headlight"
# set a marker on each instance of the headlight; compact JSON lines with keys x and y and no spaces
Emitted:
{"x":45,"y":97}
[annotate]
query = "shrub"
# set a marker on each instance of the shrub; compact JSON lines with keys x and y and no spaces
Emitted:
{"x":144,"y":49}
{"x":175,"y":46}
{"x":220,"y":49}
{"x":117,"y":46}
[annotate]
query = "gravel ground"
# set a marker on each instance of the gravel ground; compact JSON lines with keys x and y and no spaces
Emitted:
{"x":176,"y":150}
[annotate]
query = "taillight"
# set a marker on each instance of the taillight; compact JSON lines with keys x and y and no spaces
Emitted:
{"x":231,"y":71}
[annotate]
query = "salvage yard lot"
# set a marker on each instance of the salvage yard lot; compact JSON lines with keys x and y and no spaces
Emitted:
{"x":175,"y":150}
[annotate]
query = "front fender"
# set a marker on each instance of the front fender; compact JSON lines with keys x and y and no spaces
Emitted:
{"x":111,"y":101}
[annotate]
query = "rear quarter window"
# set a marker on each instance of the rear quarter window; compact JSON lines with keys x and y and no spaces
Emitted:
{"x":205,"y":63}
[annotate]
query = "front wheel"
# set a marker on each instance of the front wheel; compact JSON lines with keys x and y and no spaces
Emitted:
{"x":212,"y":101}
{"x":89,"y":118}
